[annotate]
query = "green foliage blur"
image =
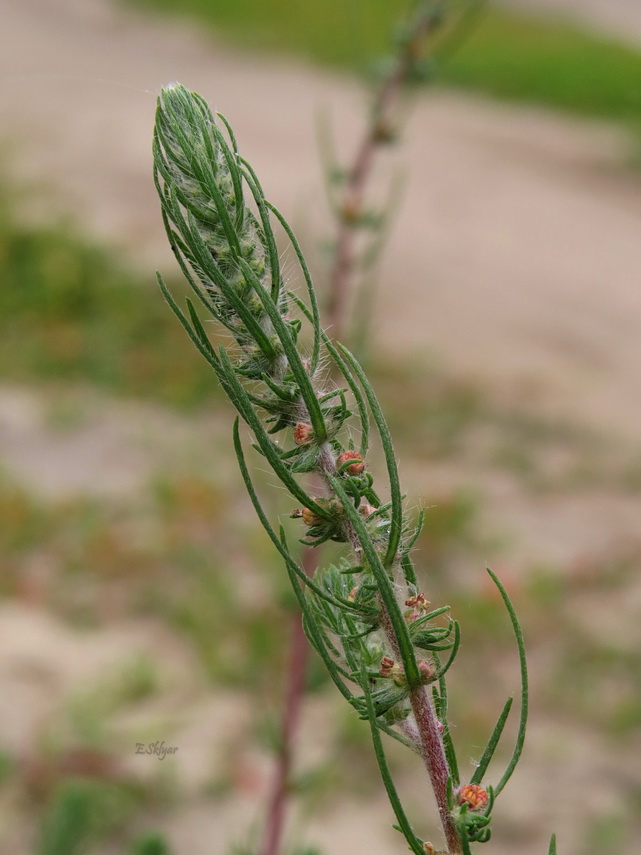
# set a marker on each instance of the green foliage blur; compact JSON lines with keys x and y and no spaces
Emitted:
{"x":508,"y":54}
{"x":70,"y":312}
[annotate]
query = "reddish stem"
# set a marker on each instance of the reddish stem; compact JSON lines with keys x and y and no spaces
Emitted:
{"x":299,"y":656}
{"x":378,"y":133}
{"x":430,"y":744}
{"x":433,"y":754}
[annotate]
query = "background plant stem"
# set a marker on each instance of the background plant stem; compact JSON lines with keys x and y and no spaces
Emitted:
{"x":378,"y":133}
{"x":299,"y":651}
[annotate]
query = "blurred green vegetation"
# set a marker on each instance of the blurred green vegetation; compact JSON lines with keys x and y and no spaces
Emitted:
{"x":70,"y":312}
{"x":508,"y":54}
{"x":548,"y":62}
{"x":175,"y":553}
{"x":82,"y":812}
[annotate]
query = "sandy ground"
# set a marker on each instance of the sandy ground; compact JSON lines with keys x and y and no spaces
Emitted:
{"x":515,"y":260}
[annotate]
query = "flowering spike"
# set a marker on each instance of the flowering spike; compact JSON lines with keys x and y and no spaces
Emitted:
{"x":199,"y":179}
{"x":229,"y":256}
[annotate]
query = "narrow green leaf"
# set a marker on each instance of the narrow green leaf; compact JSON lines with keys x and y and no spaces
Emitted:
{"x":358,"y":395}
{"x":552,"y":849}
{"x":198,"y":130}
{"x":398,"y":736}
{"x":281,"y":392}
{"x":212,"y":181}
{"x":251,"y":323}
{"x":465,"y":843}
{"x":314,"y":633}
{"x":231,"y":133}
{"x":279,"y":543}
{"x":420,"y":522}
{"x":291,"y":352}
{"x":396,"y":525}
{"x":201,"y":278}
{"x":312,"y":628}
{"x":175,"y":241}
{"x":441,"y":610}
{"x":231,"y":156}
{"x":408,"y":569}
{"x":384,"y":583}
{"x":272,"y":250}
{"x":271,"y":452}
{"x":484,"y":762}
{"x":311,"y":293}
{"x":448,"y":742}
{"x":455,"y":647}
{"x":199,"y":328}
{"x":211,"y":357}
{"x":520,"y":738}
{"x":414,"y":843}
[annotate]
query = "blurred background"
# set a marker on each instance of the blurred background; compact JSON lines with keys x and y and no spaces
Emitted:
{"x":141,"y":604}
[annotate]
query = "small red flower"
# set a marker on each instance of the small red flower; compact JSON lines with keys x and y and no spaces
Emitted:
{"x":387,"y":666}
{"x":303,"y":433}
{"x":390,"y":668}
{"x":473,"y":795}
{"x":419,"y":602}
{"x":356,"y":467}
{"x":426,"y":670}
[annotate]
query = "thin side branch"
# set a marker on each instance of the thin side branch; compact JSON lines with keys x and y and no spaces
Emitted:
{"x":380,"y":131}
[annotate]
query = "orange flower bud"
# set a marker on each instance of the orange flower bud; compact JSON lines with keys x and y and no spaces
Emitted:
{"x":390,"y":668}
{"x":366,"y":510}
{"x":354,"y":468}
{"x":387,"y":666}
{"x":473,"y":795}
{"x":309,"y":517}
{"x":303,"y":433}
{"x":426,"y":670}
